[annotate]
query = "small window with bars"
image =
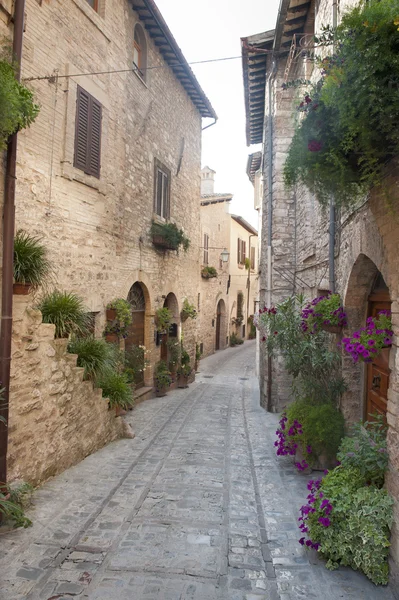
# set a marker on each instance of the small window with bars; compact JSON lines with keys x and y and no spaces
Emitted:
{"x":88,"y":134}
{"x":206,"y":249}
{"x":161,"y":190}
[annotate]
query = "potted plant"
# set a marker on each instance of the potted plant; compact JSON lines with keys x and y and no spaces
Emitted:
{"x":115,"y":386}
{"x":121,"y":311}
{"x":235,"y":340}
{"x":184,"y":370}
{"x":188,"y":311}
{"x":163,"y":319}
{"x":162,"y":379}
{"x":209,"y":272}
{"x":94,"y":355}
{"x":174,"y":356}
{"x":31,"y":264}
{"x":198,"y":355}
{"x":324,"y":312}
{"x":369,"y":341}
{"x":66,"y":311}
{"x":168,"y":236}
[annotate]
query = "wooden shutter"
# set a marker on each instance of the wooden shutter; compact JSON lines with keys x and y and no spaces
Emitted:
{"x":206,"y":247}
{"x":239,"y":251}
{"x":244,"y":252}
{"x":88,"y":134}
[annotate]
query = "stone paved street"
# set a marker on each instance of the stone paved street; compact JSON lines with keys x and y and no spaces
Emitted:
{"x":196,"y":507}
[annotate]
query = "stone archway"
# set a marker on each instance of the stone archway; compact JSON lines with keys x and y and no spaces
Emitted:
{"x":138,"y":332}
{"x":220,"y":341}
{"x":365,"y":278}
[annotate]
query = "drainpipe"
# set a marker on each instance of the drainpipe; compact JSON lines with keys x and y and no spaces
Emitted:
{"x":331,"y":245}
{"x":8,"y":251}
{"x":249,"y":274}
{"x":270,"y":222}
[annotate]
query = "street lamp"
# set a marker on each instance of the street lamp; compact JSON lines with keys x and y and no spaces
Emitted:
{"x":225,"y":255}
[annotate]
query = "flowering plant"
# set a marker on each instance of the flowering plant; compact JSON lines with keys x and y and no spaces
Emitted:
{"x":370,"y":340}
{"x":323,"y":311}
{"x":348,"y":522}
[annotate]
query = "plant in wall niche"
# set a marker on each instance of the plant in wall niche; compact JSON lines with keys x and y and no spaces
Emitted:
{"x":188,"y":311}
{"x":346,"y":134}
{"x":66,"y":311}
{"x":169,"y":236}
{"x":32,"y":266}
{"x":163,"y":319}
{"x":209,"y":272}
{"x":348,"y":522}
{"x":368,"y":341}
{"x":325,"y":312}
{"x":115,"y":386}
{"x":94,"y":355}
{"x":18,"y":109}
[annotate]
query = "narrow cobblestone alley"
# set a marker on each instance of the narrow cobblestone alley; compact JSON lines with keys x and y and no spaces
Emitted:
{"x":196,"y":507}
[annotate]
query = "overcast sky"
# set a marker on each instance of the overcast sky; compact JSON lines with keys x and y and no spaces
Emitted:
{"x":208,"y":29}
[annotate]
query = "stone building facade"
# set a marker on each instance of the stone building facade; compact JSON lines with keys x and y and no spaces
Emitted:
{"x":226,"y":301}
{"x":294,"y":256}
{"x":91,"y":186}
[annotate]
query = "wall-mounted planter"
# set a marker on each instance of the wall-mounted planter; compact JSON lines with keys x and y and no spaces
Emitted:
{"x":161,"y":242}
{"x":21,"y":289}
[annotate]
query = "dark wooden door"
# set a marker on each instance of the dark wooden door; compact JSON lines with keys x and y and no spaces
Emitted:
{"x":136,"y":338}
{"x":218,"y":326}
{"x":378,"y":370}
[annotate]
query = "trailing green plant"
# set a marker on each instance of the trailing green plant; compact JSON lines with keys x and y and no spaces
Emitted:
{"x":247,"y":264}
{"x":123,"y":311}
{"x":31,"y":263}
{"x":18,"y":109}
{"x":347,"y":131}
{"x":209,"y":272}
{"x":66,"y":311}
{"x":162,"y":376}
{"x":163,"y":319}
{"x":235,"y":340}
{"x":115,"y":386}
{"x":13,"y":500}
{"x":94,"y":355}
{"x":171,"y":235}
{"x":366,"y":450}
{"x":315,"y":368}
{"x":349,"y":522}
{"x":188,"y":311}
{"x":174,"y":348}
{"x":316,"y":428}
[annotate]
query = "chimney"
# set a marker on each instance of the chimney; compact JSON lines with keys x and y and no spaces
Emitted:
{"x":207,"y":181}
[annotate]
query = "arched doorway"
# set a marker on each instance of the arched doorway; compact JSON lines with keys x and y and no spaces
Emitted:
{"x":220,"y":318}
{"x":136,"y":331}
{"x":377,"y":376}
{"x":172,"y":304}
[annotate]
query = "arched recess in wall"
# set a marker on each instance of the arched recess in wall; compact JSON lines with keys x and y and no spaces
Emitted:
{"x":367,"y":385}
{"x":140,"y":51}
{"x":221,"y":321}
{"x":139,"y":331}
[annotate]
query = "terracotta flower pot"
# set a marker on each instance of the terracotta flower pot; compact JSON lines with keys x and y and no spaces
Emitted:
{"x":161,"y":242}
{"x":21,"y":289}
{"x":182,"y":381}
{"x":111,"y":314}
{"x":112,"y":338}
{"x":160,"y":392}
{"x":332,"y":328}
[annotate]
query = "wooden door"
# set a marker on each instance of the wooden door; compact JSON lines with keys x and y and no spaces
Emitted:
{"x":218,"y":326}
{"x":377,"y":383}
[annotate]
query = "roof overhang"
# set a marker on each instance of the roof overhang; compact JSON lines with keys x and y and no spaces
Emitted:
{"x":207,"y":199}
{"x":254,"y":50}
{"x":159,"y":31}
{"x":245,"y":224}
{"x":253,"y":165}
{"x":291,"y":20}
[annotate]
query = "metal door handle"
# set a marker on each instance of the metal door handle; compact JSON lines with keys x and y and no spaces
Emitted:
{"x":376,"y":382}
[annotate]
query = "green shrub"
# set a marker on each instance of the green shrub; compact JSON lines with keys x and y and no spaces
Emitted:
{"x":31,"y":263}
{"x":162,"y":375}
{"x":184,"y":370}
{"x":174,"y":348}
{"x":185,"y":357}
{"x":173,"y":236}
{"x":209,"y":272}
{"x":188,"y":310}
{"x":323,"y":428}
{"x":235,"y":340}
{"x":66,"y":311}
{"x":115,"y":386}
{"x":163,"y":319}
{"x":352,"y":523}
{"x":123,"y":311}
{"x":198,"y":353}
{"x":13,"y":501}
{"x":17,"y":107}
{"x":366,"y":450}
{"x":94,"y":355}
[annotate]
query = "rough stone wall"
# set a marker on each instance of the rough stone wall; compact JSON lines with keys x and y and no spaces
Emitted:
{"x":56,"y":418}
{"x":215,"y":222}
{"x":97,"y":230}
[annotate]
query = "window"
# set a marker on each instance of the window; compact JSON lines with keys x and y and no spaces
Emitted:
{"x":88,"y":134}
{"x":241,"y":251}
{"x":206,"y":249}
{"x":140,"y":52}
{"x":161,"y":190}
{"x":93,"y":4}
{"x":253,"y":258}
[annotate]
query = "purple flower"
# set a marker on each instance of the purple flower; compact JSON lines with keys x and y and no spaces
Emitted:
{"x":302,"y":541}
{"x":371,"y":342}
{"x":325,"y":521}
{"x":309,"y":449}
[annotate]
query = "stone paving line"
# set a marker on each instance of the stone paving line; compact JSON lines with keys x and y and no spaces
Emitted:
{"x":195,"y":507}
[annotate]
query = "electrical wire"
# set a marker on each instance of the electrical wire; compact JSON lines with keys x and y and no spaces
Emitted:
{"x":136,"y":69}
